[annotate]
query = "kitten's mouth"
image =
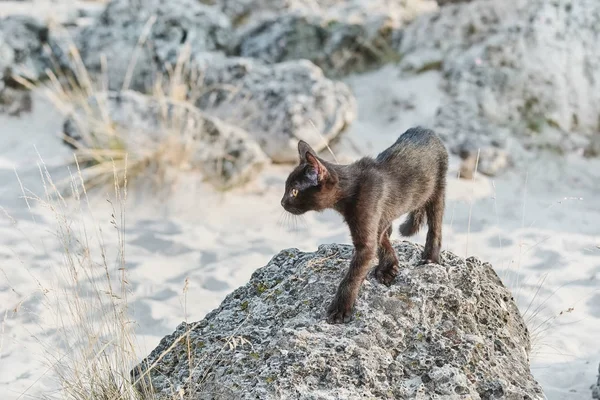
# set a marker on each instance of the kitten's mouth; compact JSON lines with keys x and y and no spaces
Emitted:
{"x":294,"y":211}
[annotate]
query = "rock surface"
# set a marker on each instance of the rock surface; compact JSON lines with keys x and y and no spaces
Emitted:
{"x":489,"y":161}
{"x":142,"y":39}
{"x":519,"y":68}
{"x":337,"y":47}
{"x":452,"y":330}
{"x":21,"y":48}
{"x":145,"y":125}
{"x":277,"y":104}
{"x":340,"y":36}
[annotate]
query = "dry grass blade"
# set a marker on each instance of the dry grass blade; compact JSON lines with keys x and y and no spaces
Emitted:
{"x":95,"y":348}
{"x":324,"y":140}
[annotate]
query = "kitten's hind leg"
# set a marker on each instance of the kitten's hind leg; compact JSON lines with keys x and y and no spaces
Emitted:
{"x":435,"y":215}
{"x":387,"y":269}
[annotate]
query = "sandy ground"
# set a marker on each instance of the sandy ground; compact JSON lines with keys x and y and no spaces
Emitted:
{"x":538,"y":225}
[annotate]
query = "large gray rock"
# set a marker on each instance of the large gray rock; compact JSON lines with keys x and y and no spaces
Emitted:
{"x":277,"y":104}
{"x":339,"y":36}
{"x":444,"y":331}
{"x":151,"y":127}
{"x":142,"y":39}
{"x":22,"y":40}
{"x":526,"y":69}
{"x":337,"y":47}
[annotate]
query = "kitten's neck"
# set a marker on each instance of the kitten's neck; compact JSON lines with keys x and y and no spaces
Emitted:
{"x":344,"y":186}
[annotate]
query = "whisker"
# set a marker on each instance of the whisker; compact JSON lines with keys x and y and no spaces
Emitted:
{"x":281,"y":219}
{"x":287,"y":220}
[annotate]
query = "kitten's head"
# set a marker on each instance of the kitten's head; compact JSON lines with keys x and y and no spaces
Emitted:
{"x":310,"y":186}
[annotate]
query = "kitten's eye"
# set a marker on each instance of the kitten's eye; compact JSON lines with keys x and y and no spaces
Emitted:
{"x":294,"y":192}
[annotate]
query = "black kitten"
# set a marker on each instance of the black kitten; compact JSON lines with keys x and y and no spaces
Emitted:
{"x":408,"y":177}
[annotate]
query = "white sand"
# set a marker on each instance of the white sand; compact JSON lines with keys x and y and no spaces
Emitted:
{"x":536,"y":223}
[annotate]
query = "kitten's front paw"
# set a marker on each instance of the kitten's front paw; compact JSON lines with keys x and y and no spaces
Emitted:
{"x":339,"y":311}
{"x":386,"y":275}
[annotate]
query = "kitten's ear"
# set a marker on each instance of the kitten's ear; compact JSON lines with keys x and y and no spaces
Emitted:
{"x":320,"y":169}
{"x":308,"y":155}
{"x":304,"y":149}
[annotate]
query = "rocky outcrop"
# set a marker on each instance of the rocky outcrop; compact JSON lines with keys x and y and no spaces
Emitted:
{"x":339,"y":36}
{"x":451,"y":330}
{"x":338,"y":47}
{"x":143,"y":39}
{"x":277,"y":104}
{"x":21,"y":48}
{"x":158,"y":44}
{"x":489,"y":160}
{"x":147,"y":126}
{"x":514,"y":69}
{"x":22,"y":40}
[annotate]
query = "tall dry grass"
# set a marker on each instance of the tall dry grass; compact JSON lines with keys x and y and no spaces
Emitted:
{"x":103,"y":145}
{"x":92,"y":347}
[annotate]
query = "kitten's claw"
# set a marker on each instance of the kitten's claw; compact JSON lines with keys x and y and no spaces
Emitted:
{"x":339,"y":312}
{"x":386,"y":275}
{"x":426,"y":261}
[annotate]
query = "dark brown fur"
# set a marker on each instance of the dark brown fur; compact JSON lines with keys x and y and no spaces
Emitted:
{"x":408,"y":177}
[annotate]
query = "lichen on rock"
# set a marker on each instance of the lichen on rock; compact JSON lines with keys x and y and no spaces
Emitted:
{"x":451,"y":330}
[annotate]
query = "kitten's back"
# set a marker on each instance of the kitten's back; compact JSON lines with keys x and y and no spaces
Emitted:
{"x":419,"y":145}
{"x":415,"y":167}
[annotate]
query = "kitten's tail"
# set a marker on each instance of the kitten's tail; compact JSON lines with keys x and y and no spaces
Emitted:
{"x":416,"y":219}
